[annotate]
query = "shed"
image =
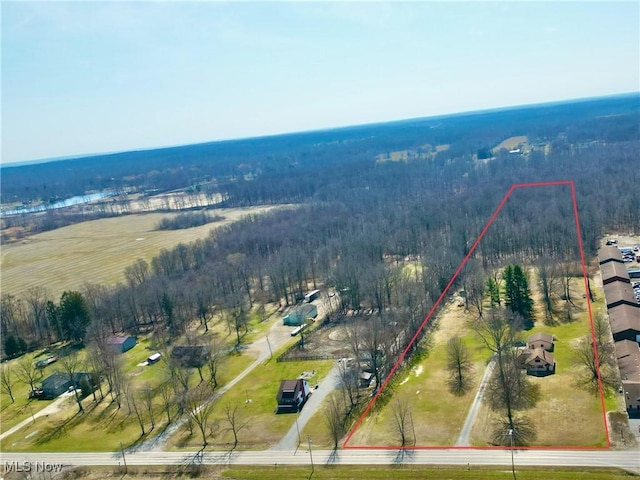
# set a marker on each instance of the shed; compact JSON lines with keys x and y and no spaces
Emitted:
{"x":300,"y":315}
{"x":121,"y":343}
{"x":292,"y":395}
{"x":541,"y":340}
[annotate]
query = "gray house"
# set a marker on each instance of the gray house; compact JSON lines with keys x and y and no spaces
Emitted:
{"x":58,"y":383}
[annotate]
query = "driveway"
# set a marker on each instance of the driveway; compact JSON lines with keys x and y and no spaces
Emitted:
{"x":290,"y":440}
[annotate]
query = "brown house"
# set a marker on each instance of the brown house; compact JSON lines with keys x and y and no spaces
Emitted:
{"x":625,"y":323}
{"x":540,"y":362}
{"x":541,"y":340}
{"x":628,"y":356}
{"x":614,"y":272}
{"x":619,"y":293}
{"x":609,"y":254}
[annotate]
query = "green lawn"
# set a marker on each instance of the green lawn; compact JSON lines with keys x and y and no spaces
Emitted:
{"x":256,"y":396}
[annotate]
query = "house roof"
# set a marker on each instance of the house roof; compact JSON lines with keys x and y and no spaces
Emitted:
{"x":611,"y":270}
{"x":537,"y":337}
{"x":624,"y":317}
{"x":608,"y":253}
{"x":542,"y":354}
{"x":628,"y":356}
{"x":288,"y":389}
{"x":117,"y":340}
{"x":619,"y":292}
{"x":55,"y":380}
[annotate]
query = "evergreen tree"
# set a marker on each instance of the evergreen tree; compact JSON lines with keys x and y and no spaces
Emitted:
{"x":517,"y":293}
{"x":73,"y":315}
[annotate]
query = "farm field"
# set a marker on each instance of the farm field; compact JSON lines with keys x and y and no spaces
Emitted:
{"x":97,"y":251}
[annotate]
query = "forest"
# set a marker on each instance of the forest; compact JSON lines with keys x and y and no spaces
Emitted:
{"x":353,"y":221}
{"x":382,"y":215}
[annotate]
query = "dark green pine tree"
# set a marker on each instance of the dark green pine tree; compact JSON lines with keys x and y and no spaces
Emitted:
{"x":517,"y":293}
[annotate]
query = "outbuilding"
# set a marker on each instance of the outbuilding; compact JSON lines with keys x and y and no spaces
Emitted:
{"x":300,"y":315}
{"x":121,"y":343}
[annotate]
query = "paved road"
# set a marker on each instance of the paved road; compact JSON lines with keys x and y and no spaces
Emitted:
{"x":628,"y":459}
{"x":330,"y":382}
{"x":463,"y":439}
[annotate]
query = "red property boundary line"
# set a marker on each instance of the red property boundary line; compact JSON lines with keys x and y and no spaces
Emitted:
{"x":442,"y":296}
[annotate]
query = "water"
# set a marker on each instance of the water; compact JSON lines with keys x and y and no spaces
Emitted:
{"x":77,"y":200}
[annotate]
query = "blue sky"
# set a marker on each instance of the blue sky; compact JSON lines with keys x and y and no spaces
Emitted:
{"x":88,"y":77}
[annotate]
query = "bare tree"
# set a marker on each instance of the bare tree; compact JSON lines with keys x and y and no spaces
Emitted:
{"x":213,"y":362}
{"x":200,"y":403}
{"x":595,"y":371}
{"x":27,"y":372}
{"x":509,"y":389}
{"x":6,"y":381}
{"x":71,"y":365}
{"x":459,"y":365}
{"x":335,"y":416}
{"x":603,"y":338}
{"x":133,"y":404}
{"x":36,"y":300}
{"x":475,"y":287}
{"x":235,"y":420}
{"x":147,"y":399}
{"x":348,"y":370}
{"x":167,"y":399}
{"x":402,"y":417}
{"x":548,"y":278}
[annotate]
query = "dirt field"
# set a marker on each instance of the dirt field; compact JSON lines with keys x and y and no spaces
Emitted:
{"x":97,"y":251}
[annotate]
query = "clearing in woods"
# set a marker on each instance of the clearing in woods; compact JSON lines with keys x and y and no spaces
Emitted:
{"x":512,"y":142}
{"x":97,"y":251}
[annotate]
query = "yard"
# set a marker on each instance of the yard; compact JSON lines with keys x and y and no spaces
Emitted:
{"x":565,"y":415}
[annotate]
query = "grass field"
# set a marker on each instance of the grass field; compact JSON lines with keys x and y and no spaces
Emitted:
{"x":96,"y":252}
{"x":344,"y":472}
{"x":512,"y":142}
{"x":565,"y":415}
{"x":256,"y":396}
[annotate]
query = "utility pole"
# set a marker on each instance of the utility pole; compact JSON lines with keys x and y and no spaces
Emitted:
{"x":123,"y":458}
{"x":298,"y":428}
{"x":270,"y":351}
{"x":310,"y":454}
{"x":513,"y":467}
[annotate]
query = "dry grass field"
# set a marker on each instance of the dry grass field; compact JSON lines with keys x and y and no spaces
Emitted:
{"x":565,"y":415}
{"x":512,"y":142}
{"x":97,"y":251}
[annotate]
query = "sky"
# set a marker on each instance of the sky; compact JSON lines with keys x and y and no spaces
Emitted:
{"x":90,"y":77}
